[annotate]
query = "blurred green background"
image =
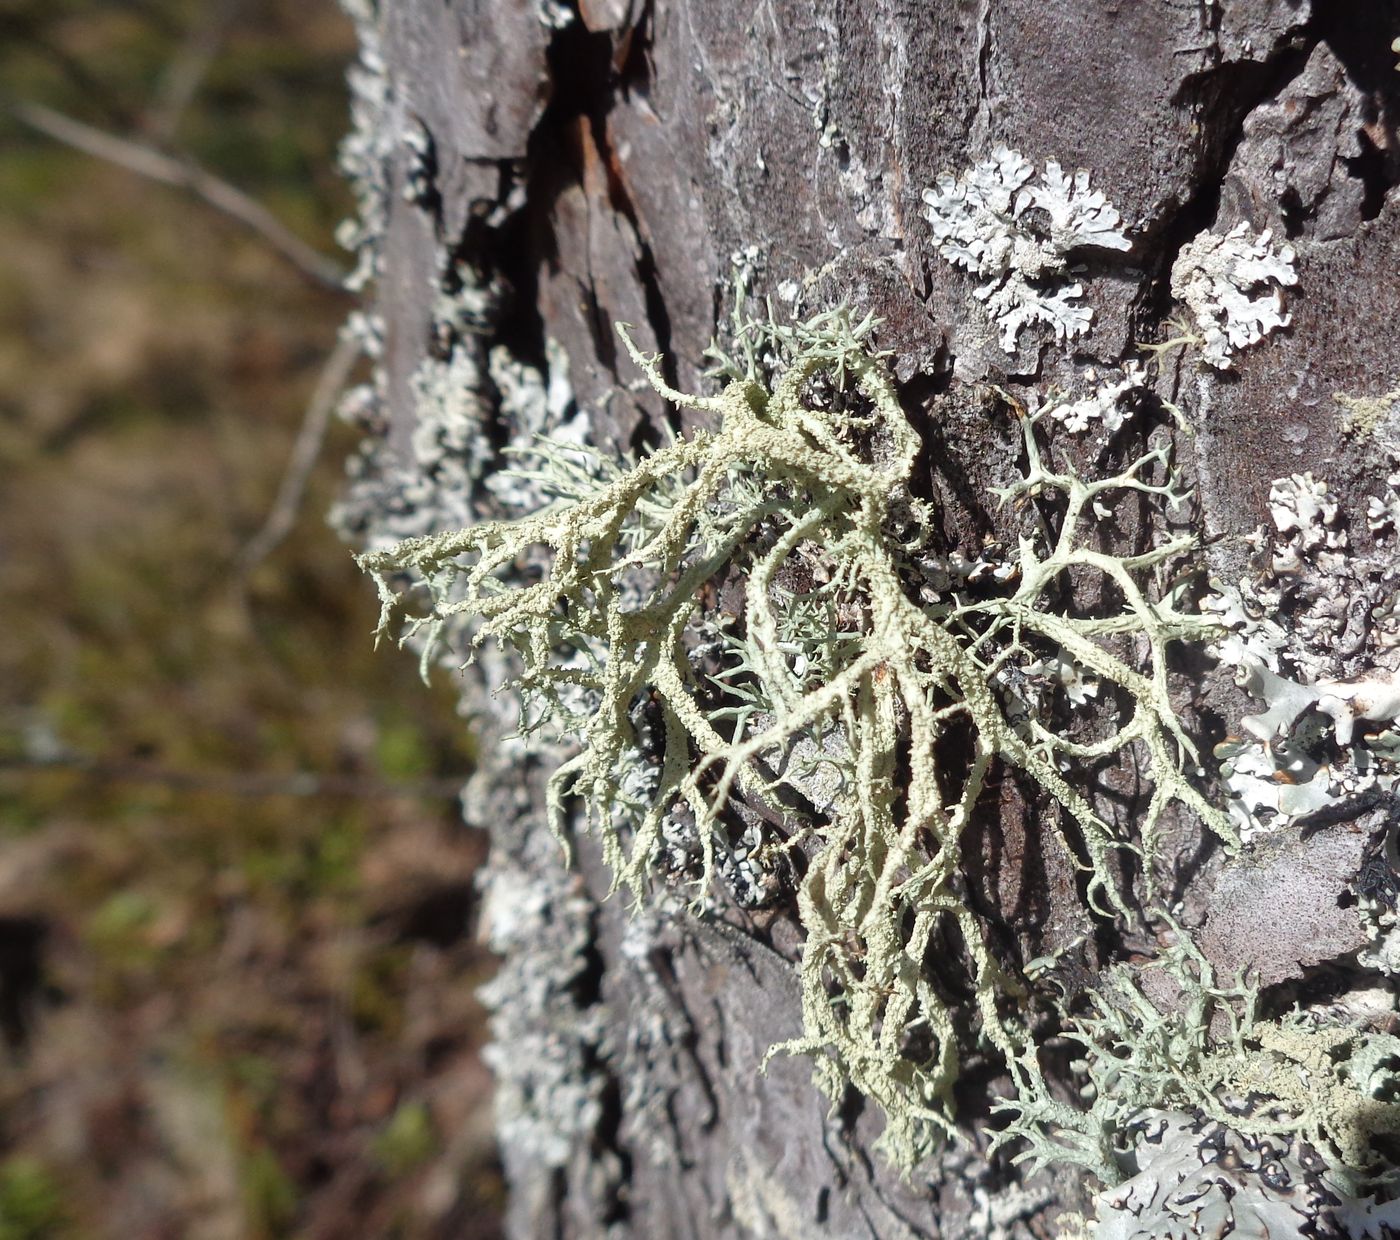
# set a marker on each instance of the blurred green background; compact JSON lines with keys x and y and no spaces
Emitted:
{"x":237,"y":965}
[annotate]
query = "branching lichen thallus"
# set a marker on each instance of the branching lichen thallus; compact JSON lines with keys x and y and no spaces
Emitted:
{"x":853,"y":670}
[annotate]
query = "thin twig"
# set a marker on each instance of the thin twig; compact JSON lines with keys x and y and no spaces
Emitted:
{"x":305,"y":452}
{"x":31,"y":31}
{"x":185,"y":174}
{"x":188,"y":69}
{"x":239,"y":784}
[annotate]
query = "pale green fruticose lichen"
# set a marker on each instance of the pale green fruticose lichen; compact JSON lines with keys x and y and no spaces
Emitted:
{"x":785,"y":490}
{"x":1210,"y":1054}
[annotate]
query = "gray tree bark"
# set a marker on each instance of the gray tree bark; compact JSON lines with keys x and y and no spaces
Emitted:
{"x":545,"y":171}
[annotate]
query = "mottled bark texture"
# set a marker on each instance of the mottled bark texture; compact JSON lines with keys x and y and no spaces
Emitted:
{"x":611,"y":162}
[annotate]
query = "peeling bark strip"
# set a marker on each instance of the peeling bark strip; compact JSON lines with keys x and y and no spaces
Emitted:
{"x":528,"y":174}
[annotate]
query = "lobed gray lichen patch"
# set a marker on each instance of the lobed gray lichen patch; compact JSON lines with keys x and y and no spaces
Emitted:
{"x":1232,"y":285}
{"x":393,"y":494}
{"x":1383,"y":511}
{"x":1017,"y":233}
{"x":533,"y":405}
{"x":1312,"y":633}
{"x":1105,"y":408}
{"x":1200,"y":1180}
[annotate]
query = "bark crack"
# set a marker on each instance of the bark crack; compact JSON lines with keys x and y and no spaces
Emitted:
{"x":1226,"y":95}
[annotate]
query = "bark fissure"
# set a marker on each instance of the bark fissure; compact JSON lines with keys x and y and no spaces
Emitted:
{"x":1227,"y":94}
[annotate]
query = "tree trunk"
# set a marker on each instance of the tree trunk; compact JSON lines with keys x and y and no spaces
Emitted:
{"x":531,"y":173}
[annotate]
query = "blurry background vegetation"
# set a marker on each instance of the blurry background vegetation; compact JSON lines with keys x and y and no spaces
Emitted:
{"x":237,"y":969}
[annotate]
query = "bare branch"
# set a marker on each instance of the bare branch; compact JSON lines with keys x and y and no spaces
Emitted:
{"x":188,"y":69}
{"x":184,"y":174}
{"x":248,"y":784}
{"x":305,"y":451}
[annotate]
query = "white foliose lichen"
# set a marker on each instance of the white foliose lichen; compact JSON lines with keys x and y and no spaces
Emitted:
{"x":449,"y":441}
{"x":1286,"y":770}
{"x":433,"y":483}
{"x":1199,"y":1179}
{"x":1383,"y":511}
{"x":1232,"y":285}
{"x":1016,"y":233}
{"x":1107,"y":408}
{"x":1307,"y":515}
{"x":1288,"y":625}
{"x":534,"y":404}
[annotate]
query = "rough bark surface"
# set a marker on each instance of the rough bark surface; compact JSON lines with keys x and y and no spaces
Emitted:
{"x":613,"y":165}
